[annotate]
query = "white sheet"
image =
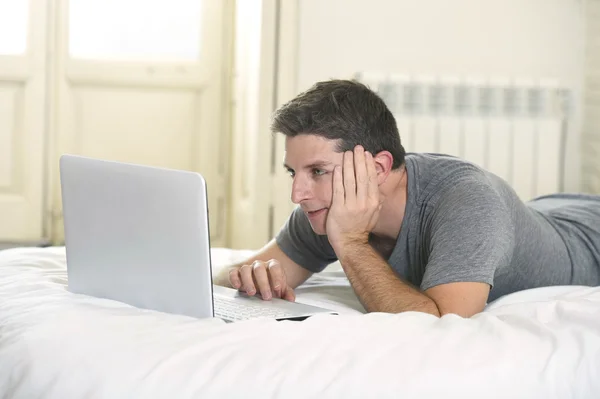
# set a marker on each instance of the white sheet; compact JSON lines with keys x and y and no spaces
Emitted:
{"x":541,"y":343}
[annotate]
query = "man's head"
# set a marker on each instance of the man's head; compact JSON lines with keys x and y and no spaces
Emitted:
{"x":320,"y":124}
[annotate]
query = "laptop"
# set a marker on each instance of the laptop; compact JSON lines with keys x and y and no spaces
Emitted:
{"x":140,"y":235}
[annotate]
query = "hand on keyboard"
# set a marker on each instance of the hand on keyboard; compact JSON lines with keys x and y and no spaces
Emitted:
{"x":265,"y":278}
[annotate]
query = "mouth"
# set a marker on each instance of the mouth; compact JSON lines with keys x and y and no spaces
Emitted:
{"x":315,"y":214}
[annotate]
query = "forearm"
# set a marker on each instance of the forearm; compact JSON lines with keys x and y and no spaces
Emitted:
{"x":378,"y":287}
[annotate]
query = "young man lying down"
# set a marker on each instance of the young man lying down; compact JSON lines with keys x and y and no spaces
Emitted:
{"x":413,"y":232}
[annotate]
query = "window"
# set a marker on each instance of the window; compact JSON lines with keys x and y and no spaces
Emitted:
{"x":135,"y":30}
{"x":13,"y":27}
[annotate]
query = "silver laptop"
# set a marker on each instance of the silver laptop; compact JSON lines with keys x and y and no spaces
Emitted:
{"x":140,"y":235}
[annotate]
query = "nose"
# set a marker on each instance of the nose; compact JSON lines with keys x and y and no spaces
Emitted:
{"x":301,"y":190}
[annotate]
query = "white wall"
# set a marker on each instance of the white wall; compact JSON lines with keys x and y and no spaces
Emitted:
{"x":528,"y":39}
{"x":591,"y":122}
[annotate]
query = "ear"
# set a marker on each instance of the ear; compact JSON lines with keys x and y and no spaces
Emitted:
{"x":383,"y":165}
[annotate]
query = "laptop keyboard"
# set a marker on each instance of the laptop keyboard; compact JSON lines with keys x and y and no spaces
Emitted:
{"x":234,"y":309}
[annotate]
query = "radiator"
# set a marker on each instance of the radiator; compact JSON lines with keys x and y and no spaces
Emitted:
{"x":515,"y":128}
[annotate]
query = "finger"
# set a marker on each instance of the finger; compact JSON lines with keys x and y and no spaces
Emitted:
{"x":288,"y":294}
{"x":234,"y":278}
{"x":277,"y":277}
{"x":338,"y":187}
{"x":349,"y":179}
{"x":247,"y":280}
{"x":360,"y":170}
{"x":262,"y":279}
{"x":373,"y":187}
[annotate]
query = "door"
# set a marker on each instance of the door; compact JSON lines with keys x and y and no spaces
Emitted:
{"x":144,"y":82}
{"x":22,"y":119}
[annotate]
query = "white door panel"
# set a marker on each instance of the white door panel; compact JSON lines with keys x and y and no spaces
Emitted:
{"x":156,"y":128}
{"x":22,"y":113}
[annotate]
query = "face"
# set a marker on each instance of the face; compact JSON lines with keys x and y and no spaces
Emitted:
{"x":310,"y":161}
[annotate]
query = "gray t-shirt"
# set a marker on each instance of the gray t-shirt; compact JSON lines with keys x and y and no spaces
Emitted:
{"x":463,"y":223}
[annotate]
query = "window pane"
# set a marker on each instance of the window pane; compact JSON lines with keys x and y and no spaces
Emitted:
{"x":132,"y":30}
{"x":13,"y":26}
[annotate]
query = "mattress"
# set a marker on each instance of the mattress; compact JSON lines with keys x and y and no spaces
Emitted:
{"x":542,"y":343}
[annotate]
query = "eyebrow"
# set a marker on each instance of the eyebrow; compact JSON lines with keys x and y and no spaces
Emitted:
{"x":314,"y":165}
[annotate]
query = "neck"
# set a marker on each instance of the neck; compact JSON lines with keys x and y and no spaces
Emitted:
{"x":394,"y":191}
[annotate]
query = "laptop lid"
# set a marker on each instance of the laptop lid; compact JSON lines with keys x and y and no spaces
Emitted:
{"x":137,"y":234}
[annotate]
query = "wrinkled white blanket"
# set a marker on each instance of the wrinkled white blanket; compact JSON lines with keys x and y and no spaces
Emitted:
{"x":541,"y":343}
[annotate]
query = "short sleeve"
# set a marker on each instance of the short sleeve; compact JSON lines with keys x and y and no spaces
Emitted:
{"x":471,"y":234}
{"x":302,"y":245}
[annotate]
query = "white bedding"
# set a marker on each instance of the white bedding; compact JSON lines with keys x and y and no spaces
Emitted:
{"x":541,"y":343}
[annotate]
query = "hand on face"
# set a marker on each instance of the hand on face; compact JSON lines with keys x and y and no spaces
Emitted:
{"x":356,"y":203}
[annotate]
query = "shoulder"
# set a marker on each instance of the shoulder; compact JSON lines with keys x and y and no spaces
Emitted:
{"x":438,"y":176}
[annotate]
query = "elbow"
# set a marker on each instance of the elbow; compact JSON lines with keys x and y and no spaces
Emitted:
{"x":432,"y":308}
{"x":429,"y":306}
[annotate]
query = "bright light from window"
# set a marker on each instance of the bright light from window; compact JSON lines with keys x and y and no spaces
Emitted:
{"x":13,"y":26}
{"x":135,"y":30}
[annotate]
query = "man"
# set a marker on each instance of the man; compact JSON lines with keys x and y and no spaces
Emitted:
{"x":413,"y":232}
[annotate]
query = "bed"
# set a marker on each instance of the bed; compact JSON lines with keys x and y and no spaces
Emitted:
{"x":542,"y":343}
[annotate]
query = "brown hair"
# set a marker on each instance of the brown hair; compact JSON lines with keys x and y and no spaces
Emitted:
{"x":343,"y":110}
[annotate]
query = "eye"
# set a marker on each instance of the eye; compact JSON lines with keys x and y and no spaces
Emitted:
{"x":319,"y":172}
{"x":291,"y":172}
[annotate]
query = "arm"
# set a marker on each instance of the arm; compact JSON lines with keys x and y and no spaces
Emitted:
{"x":380,"y":289}
{"x":353,"y":214}
{"x":295,"y":274}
